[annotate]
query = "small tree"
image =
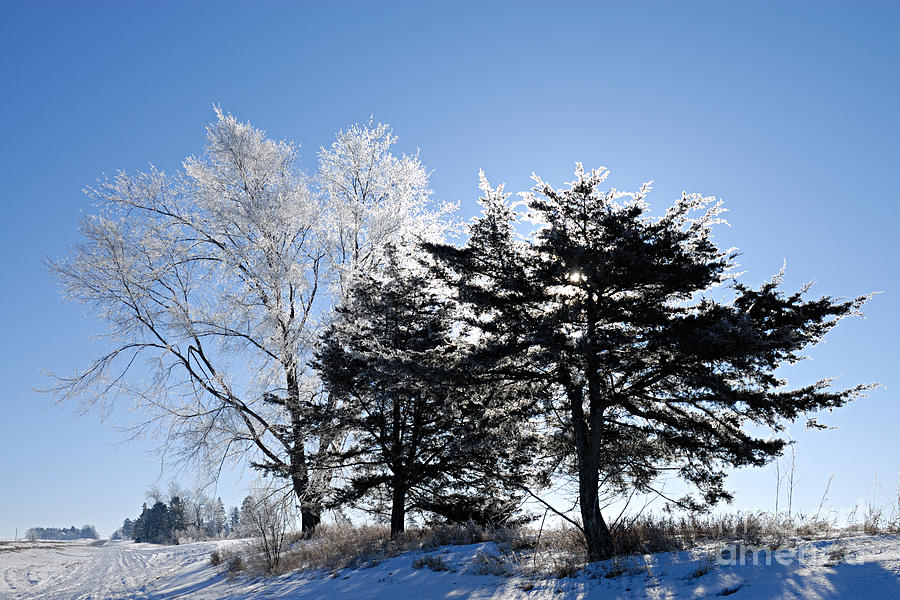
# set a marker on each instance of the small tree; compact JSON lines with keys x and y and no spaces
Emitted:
{"x":177,"y":518}
{"x":139,"y":531}
{"x":642,"y":370}
{"x":234,"y":521}
{"x":267,"y":517}
{"x":128,"y":529}
{"x":89,"y":532}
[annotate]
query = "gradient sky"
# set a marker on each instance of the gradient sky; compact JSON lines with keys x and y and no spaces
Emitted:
{"x":787,"y":113}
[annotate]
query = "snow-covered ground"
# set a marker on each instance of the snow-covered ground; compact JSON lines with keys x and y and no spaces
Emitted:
{"x":866,"y":567}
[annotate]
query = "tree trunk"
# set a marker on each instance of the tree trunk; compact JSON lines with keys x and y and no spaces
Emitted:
{"x":310,"y":517}
{"x":398,"y":508}
{"x":310,"y":499}
{"x":596,"y":533}
{"x":587,"y":451}
{"x":398,"y":480}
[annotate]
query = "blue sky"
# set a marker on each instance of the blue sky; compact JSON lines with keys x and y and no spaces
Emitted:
{"x":788,"y":113}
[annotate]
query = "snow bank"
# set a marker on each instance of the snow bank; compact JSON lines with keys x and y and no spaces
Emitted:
{"x":859,"y":567}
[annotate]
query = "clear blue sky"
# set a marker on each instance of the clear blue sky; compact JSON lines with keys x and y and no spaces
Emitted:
{"x":788,"y":113}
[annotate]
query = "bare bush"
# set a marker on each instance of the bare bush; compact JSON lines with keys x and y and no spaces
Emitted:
{"x":268,"y":518}
{"x":234,"y":565}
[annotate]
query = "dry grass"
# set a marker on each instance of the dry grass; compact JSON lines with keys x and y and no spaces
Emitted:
{"x":435,"y":562}
{"x":704,"y":567}
{"x":237,"y":559}
{"x":730,"y":590}
{"x":336,"y":547}
{"x":876,"y":519}
{"x":836,"y":556}
{"x":486,"y":563}
{"x":562,"y":553}
{"x":558,"y":552}
{"x":622,"y":565}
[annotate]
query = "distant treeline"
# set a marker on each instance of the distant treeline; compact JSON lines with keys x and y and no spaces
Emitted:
{"x":56,"y":533}
{"x":180,"y":516}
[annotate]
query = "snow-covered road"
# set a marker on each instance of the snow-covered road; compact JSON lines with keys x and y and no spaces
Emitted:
{"x":70,"y":571}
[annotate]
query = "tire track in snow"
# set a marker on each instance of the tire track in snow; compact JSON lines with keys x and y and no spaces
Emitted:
{"x":110,"y":572}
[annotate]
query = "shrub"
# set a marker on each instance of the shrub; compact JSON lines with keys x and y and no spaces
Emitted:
{"x":836,"y":556}
{"x":234,"y":565}
{"x":435,"y":562}
{"x":267,"y":519}
{"x":486,"y":563}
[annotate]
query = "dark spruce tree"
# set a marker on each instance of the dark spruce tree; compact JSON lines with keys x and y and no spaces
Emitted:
{"x":155,"y":525}
{"x":610,"y":313}
{"x":419,"y":437}
{"x":127,"y":529}
{"x":139,"y":530}
{"x":176,"y":515}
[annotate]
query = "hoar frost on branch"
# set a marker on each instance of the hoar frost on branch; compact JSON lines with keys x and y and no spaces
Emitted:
{"x":375,"y":199}
{"x":590,"y":348}
{"x":216,"y":282}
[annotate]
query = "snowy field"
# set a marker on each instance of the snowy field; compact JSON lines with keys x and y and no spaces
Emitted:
{"x":867,"y":567}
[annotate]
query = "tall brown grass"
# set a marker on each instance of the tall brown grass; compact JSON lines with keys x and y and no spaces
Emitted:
{"x":561,"y":552}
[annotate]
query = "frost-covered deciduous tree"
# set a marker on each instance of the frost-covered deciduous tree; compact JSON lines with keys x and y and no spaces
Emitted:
{"x":374,"y":200}
{"x":643,"y":370}
{"x":215,"y":283}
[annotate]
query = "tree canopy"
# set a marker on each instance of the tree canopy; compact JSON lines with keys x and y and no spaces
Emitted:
{"x":419,"y":437}
{"x":215,"y":283}
{"x":322,"y":328}
{"x":643,"y":371}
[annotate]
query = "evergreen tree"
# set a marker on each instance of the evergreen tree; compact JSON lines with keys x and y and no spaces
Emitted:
{"x":248,"y":506}
{"x":219,"y":518}
{"x":234,"y":520}
{"x":127,"y":529}
{"x":155,"y":525}
{"x":55,"y":533}
{"x":415,"y":436}
{"x":158,"y":524}
{"x":642,"y":369}
{"x":177,"y":514}
{"x":139,"y":529}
